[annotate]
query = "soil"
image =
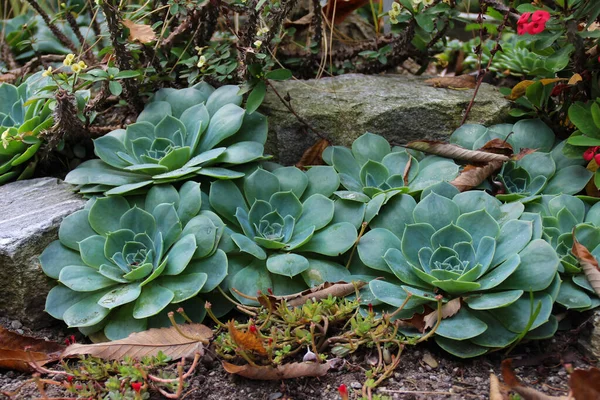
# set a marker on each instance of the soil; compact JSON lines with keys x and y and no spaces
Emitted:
{"x":539,"y":364}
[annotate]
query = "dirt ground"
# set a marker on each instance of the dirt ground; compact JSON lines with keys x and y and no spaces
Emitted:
{"x":539,"y":364}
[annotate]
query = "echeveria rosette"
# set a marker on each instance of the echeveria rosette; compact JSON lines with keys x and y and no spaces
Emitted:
{"x":468,"y":246}
{"x":122,"y":266}
{"x":562,"y":215}
{"x":179,"y":135}
{"x":372,"y":166}
{"x":283,"y":230}
{"x":21,"y":121}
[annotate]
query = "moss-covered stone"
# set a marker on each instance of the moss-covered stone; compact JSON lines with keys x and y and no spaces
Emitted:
{"x":399,"y":107}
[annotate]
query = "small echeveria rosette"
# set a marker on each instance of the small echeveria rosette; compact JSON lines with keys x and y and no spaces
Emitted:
{"x":467,"y":246}
{"x":123,"y":264}
{"x":282,"y":235}
{"x":180,"y":134}
{"x":563,"y":216}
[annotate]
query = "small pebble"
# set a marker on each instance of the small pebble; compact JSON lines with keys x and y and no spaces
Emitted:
{"x":433,"y":378}
{"x":478,"y":379}
{"x":275,"y":396}
{"x":356,"y":385}
{"x":20,"y":331}
{"x":16,"y":324}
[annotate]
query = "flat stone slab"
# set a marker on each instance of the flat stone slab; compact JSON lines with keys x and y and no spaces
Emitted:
{"x":401,"y":108}
{"x":30,"y":214}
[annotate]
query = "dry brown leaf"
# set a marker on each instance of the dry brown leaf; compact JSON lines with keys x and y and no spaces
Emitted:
{"x":525,"y":392}
{"x":588,"y":263}
{"x":17,"y":351}
{"x":139,"y":32}
{"x":574,"y":79}
{"x":287,"y":371}
{"x":302,"y":21}
{"x":337,"y":289}
{"x":453,"y":82}
{"x":407,"y":171}
{"x":520,"y":88}
{"x":585,"y":384}
{"x":429,"y":360}
{"x":454,"y":151}
{"x":523,"y":153}
{"x":246,"y":340}
{"x":338,"y":10}
{"x":449,"y":309}
{"x":149,"y":343}
{"x":495,"y":389}
{"x":473,"y":175}
{"x":313,"y":155}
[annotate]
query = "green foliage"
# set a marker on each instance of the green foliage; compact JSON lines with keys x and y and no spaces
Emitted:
{"x":122,"y":265}
{"x":586,"y":118}
{"x":283,"y":232}
{"x":179,"y":135}
{"x":372,"y":167}
{"x":468,"y":246}
{"x":22,"y":118}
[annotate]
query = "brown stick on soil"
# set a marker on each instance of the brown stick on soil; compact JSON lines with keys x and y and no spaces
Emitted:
{"x":123,"y":57}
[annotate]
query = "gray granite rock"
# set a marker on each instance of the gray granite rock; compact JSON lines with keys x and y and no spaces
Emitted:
{"x":30,"y":214}
{"x":399,"y":107}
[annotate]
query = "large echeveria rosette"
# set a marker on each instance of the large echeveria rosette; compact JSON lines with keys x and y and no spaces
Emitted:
{"x":562,"y":216}
{"x":282,"y":230}
{"x":468,"y":246}
{"x":372,"y":166}
{"x":179,"y":135}
{"x":122,"y":265}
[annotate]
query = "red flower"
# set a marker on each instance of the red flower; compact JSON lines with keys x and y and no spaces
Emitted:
{"x":597,"y":159}
{"x":558,"y":89}
{"x":540,"y":16}
{"x":69,"y":378}
{"x":253,"y":329}
{"x":534,"y":28}
{"x":522,"y":29}
{"x":523,"y":19}
{"x":589,"y":154}
{"x":137,"y":386}
{"x":343,"y":390}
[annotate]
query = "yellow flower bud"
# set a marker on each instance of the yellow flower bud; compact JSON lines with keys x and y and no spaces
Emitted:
{"x":201,"y":61}
{"x":47,"y":72}
{"x":69,"y":60}
{"x":257,"y":44}
{"x":76,"y":68}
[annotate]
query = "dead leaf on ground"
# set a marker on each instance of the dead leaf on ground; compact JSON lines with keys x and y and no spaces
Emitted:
{"x":496,"y":392}
{"x":149,"y":343}
{"x":520,"y":88}
{"x":498,"y":146}
{"x":139,"y":32}
{"x":286,"y":371}
{"x":339,"y":10}
{"x":585,"y":384}
{"x":454,"y":151}
{"x":246,"y":340}
{"x":527,"y":393}
{"x":473,"y":175}
{"x":574,"y":79}
{"x":337,"y":289}
{"x":314,"y":154}
{"x":588,"y":263}
{"x":453,"y":82}
{"x":17,"y":351}
{"x":448,"y":310}
{"x":302,"y":21}
{"x":429,"y":360}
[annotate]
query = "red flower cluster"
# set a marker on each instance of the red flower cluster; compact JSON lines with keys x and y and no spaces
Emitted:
{"x":536,"y":25}
{"x":136,"y":386}
{"x":592,"y":152}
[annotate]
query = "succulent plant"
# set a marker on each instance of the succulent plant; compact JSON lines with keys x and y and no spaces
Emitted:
{"x":283,"y":230}
{"x":545,"y":171}
{"x":562,"y":216}
{"x":179,"y":135}
{"x":21,"y":121}
{"x":372,"y":167}
{"x":468,"y":246}
{"x":121,"y":266}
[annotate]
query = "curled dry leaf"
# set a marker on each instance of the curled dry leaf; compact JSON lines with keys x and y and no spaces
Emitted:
{"x":246,"y":340}
{"x":527,"y":393}
{"x":448,"y":310}
{"x":588,"y":263}
{"x":520,"y":88}
{"x":473,"y":175}
{"x":453,"y":82}
{"x":456,"y":152}
{"x":149,"y":343}
{"x":496,"y":392}
{"x":406,"y":171}
{"x":287,"y":371}
{"x":17,"y":351}
{"x":313,"y":155}
{"x":337,"y":289}
{"x":139,"y":32}
{"x":585,"y":384}
{"x":574,"y":79}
